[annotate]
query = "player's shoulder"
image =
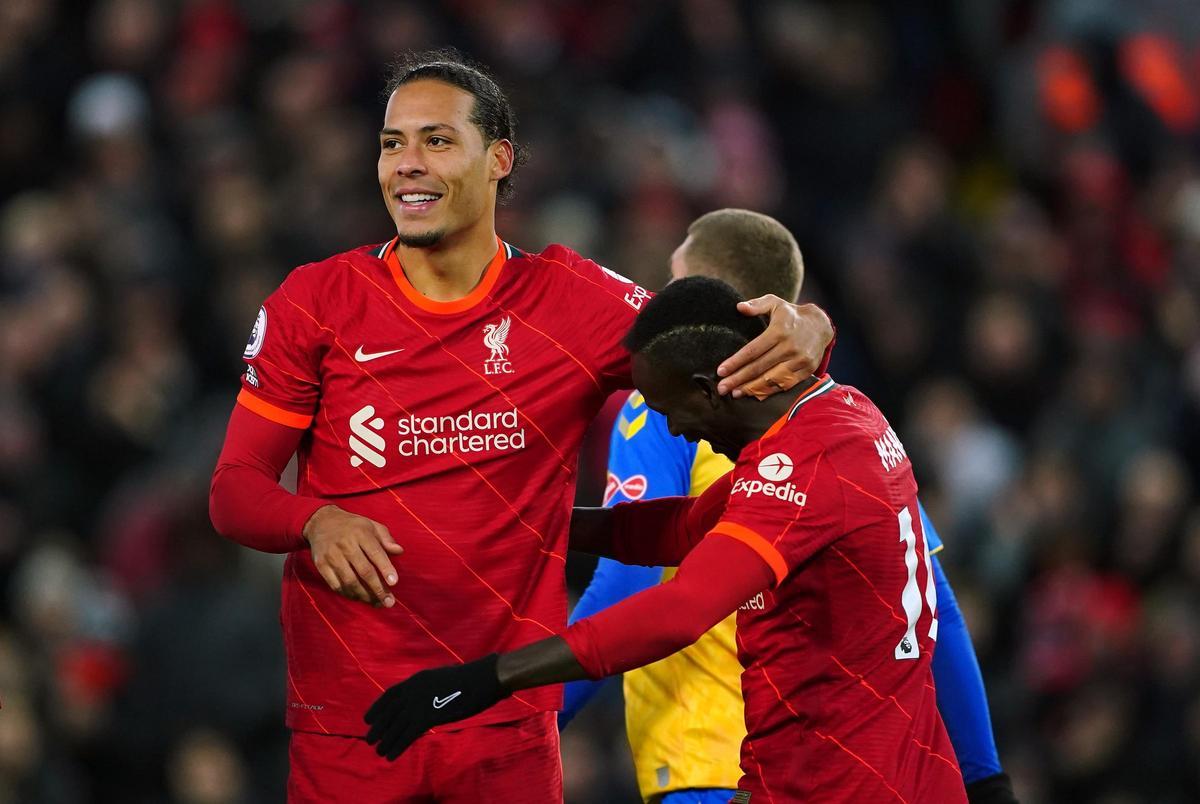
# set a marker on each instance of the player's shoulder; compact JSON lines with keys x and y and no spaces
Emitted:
{"x":566,"y":262}
{"x":828,"y":417}
{"x":557,"y":255}
{"x":315,"y":276}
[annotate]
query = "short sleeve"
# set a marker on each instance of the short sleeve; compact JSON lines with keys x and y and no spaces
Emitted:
{"x":606,"y":304}
{"x":282,"y":380}
{"x":785,"y":503}
{"x":644,"y":459}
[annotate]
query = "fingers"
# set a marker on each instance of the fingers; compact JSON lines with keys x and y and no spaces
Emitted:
{"x":395,"y":743}
{"x":763,"y":305}
{"x":777,"y":378}
{"x":734,"y":368}
{"x":385,"y":539}
{"x":350,"y":585}
{"x":353,"y":555}
{"x":771,"y":368}
{"x":369,"y":577}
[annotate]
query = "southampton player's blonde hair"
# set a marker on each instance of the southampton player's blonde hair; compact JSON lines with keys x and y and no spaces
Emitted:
{"x":753,"y":252}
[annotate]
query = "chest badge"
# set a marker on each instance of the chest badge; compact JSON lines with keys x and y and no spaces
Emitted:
{"x":495,"y":338}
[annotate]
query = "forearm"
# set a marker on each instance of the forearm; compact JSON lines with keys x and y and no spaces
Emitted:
{"x":255,"y":511}
{"x":649,"y":532}
{"x":549,"y":661}
{"x":246,"y":502}
{"x":717,"y":577}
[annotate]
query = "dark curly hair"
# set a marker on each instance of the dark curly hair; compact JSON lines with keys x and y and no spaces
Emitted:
{"x":493,"y":114}
{"x":692,"y":325}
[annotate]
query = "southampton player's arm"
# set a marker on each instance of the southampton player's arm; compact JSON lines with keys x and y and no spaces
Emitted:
{"x":962,"y":699}
{"x":644,"y":462}
{"x":274,"y":410}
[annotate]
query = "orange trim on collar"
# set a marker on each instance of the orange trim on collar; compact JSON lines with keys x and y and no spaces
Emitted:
{"x":490,"y":274}
{"x":782,"y":420}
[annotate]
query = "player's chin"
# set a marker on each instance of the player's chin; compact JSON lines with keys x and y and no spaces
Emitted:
{"x":421,"y":239}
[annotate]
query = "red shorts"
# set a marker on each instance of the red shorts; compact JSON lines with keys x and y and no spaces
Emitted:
{"x":516,"y":761}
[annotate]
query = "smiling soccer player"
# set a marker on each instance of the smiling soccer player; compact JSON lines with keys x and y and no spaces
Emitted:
{"x":436,"y":388}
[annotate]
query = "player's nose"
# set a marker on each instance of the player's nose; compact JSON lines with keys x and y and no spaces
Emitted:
{"x":411,"y":164}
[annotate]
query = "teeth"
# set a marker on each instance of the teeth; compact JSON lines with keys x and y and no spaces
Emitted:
{"x":417,"y":198}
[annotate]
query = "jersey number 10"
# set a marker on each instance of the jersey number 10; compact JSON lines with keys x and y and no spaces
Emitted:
{"x":907,"y":647}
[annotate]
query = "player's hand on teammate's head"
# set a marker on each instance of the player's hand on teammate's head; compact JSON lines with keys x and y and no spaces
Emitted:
{"x":789,"y":350}
{"x":431,"y":698}
{"x":353,"y":555}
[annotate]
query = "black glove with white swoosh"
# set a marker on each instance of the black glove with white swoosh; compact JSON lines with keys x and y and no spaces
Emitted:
{"x":431,"y":698}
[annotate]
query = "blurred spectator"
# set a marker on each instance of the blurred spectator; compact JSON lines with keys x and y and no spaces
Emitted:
{"x":999,"y":202}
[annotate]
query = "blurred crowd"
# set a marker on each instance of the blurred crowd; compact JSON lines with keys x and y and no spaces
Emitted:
{"x":998,"y":201}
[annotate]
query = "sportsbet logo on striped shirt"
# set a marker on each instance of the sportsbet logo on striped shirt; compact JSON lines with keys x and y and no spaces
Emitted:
{"x":774,"y":469}
{"x":415,"y":436}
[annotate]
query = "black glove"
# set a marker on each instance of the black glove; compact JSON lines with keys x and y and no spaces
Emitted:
{"x":992,"y":790}
{"x":431,"y":698}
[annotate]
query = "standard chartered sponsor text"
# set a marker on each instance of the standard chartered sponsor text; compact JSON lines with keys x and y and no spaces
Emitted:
{"x":472,"y":431}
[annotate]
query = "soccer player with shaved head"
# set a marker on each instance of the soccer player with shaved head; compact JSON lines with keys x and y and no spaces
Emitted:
{"x":815,"y":542}
{"x":435,"y":388}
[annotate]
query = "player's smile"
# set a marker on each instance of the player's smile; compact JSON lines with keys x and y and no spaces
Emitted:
{"x":411,"y":201}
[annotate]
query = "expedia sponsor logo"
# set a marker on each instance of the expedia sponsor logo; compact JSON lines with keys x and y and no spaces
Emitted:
{"x":473,"y":431}
{"x":788,"y":492}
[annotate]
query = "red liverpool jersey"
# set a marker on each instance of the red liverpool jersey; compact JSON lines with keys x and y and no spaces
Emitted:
{"x":454,"y":424}
{"x":839,"y":696}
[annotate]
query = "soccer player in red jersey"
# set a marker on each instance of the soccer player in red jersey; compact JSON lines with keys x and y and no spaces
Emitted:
{"x":818,"y":547}
{"x":436,"y":389}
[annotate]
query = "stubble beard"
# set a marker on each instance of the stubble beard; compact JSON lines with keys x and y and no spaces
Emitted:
{"x":422,"y":239}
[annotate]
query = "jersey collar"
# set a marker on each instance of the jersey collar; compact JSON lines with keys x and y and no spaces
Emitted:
{"x":821,"y":386}
{"x":490,"y":274}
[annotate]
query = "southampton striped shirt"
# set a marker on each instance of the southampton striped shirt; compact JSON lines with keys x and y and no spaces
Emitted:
{"x":454,"y":424}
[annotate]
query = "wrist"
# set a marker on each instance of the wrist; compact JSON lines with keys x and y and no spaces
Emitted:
{"x":313,"y":520}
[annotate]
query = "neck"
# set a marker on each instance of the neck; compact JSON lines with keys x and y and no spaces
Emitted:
{"x":451,"y":269}
{"x":757,"y":417}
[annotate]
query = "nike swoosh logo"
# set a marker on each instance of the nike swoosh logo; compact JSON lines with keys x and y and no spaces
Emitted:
{"x":363,"y":357}
{"x":438,"y":703}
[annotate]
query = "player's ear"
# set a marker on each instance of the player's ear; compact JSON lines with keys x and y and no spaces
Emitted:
{"x":707,"y":383}
{"x":502,"y":155}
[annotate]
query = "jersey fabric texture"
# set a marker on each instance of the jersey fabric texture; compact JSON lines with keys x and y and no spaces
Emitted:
{"x":516,"y":761}
{"x":839,"y":696}
{"x":454,"y":424}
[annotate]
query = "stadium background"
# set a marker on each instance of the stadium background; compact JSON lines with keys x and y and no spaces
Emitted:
{"x":999,"y":202}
